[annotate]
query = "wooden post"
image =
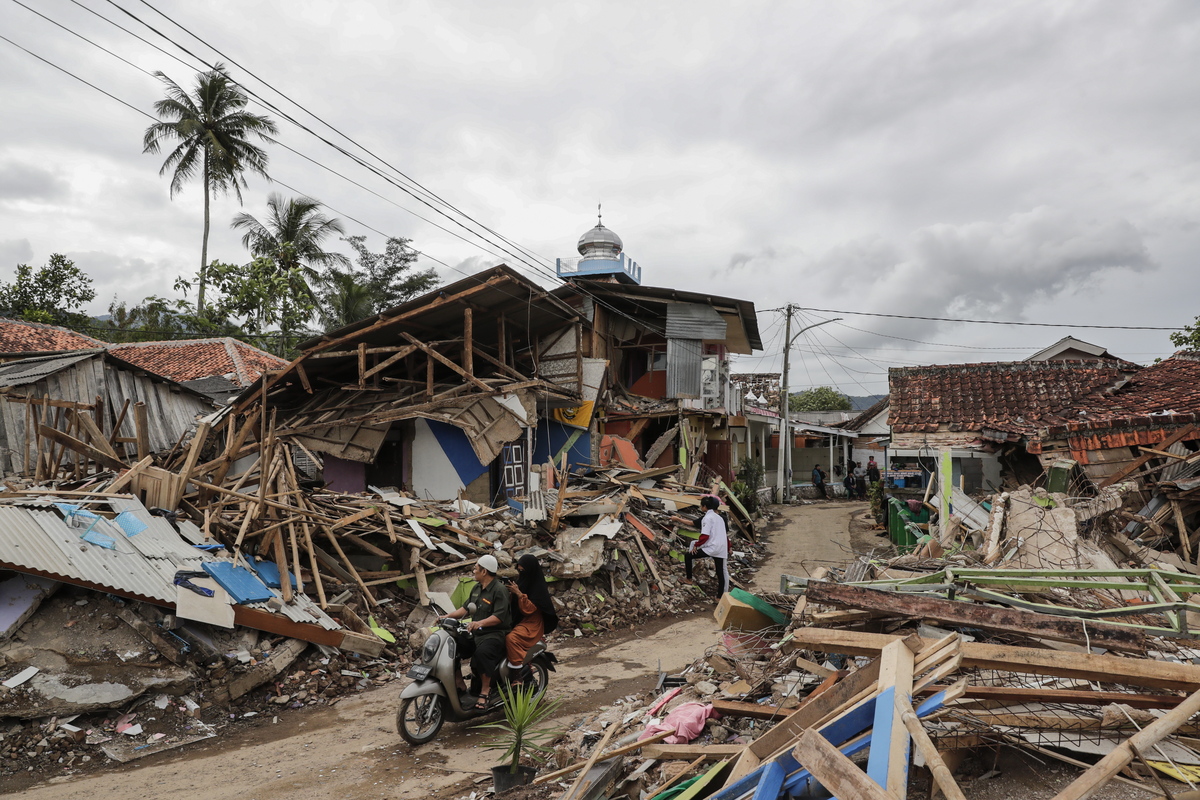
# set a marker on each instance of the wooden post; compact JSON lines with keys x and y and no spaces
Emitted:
{"x":933,"y":759}
{"x":1185,"y":540}
{"x":836,"y":773}
{"x":502,"y":341}
{"x":362,"y":365}
{"x":888,"y":762}
{"x":429,"y":375}
{"x":142,"y":423}
{"x":468,"y":341}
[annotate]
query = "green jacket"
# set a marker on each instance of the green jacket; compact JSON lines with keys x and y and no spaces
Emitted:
{"x":489,"y":601}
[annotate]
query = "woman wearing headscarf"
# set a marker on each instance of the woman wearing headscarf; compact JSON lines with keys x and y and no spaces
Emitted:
{"x":532,"y":598}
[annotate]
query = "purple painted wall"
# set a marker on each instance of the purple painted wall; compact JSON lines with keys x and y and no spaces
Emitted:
{"x":344,"y":476}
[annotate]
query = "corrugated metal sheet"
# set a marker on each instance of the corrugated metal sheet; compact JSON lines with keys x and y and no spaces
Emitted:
{"x":684,"y":361}
{"x":694,"y":321}
{"x":159,"y":540}
{"x":35,"y":538}
{"x":32,"y":370}
{"x":41,"y":541}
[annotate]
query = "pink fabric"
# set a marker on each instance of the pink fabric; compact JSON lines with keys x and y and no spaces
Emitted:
{"x":687,"y":720}
{"x":666,"y":698}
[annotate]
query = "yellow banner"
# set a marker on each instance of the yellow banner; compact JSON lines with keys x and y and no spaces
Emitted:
{"x":579,"y":417}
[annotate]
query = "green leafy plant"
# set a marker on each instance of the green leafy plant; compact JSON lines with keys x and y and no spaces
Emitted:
{"x":525,"y":708}
{"x":750,"y":480}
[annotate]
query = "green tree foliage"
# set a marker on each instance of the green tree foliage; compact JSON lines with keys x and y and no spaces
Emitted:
{"x":819,"y":398}
{"x":343,"y":299}
{"x":388,"y":274}
{"x":293,"y":236}
{"x":158,"y":318}
{"x":750,"y":474}
{"x":1189,"y":337}
{"x":51,"y":294}
{"x":212,"y":136}
{"x":264,"y":296}
{"x":377,"y":282}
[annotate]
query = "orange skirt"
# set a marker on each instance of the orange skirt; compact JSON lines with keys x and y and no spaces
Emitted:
{"x":523,"y":636}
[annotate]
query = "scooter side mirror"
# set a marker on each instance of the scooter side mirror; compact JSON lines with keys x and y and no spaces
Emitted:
{"x":471,"y":608}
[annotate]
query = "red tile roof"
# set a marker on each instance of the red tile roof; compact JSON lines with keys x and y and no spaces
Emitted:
{"x":1006,"y":396}
{"x":1165,"y":393}
{"x":18,"y":336}
{"x":190,"y":359}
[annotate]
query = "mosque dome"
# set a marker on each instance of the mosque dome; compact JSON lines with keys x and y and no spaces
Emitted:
{"x":600,"y":242}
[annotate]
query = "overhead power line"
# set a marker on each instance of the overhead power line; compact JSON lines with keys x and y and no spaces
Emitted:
{"x":991,"y":321}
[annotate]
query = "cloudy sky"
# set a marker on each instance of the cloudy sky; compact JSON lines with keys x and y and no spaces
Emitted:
{"x":1020,"y":161}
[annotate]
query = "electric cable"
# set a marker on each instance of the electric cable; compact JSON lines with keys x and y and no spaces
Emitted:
{"x":545,"y":272}
{"x":990,"y":321}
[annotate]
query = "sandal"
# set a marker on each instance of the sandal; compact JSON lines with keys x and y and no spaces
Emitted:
{"x":482,"y":702}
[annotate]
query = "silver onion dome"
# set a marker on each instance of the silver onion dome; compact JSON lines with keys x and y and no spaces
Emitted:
{"x":600,"y":242}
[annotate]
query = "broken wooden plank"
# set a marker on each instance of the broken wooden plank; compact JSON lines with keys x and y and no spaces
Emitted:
{"x":942,"y":775}
{"x":83,"y":448}
{"x":888,"y":762}
{"x":975,"y":615}
{"x":1136,"y":464}
{"x":591,"y":761}
{"x":684,"y":752}
{"x":1144,"y":672}
{"x":617,"y":751}
{"x":1098,"y":775}
{"x":836,"y":772}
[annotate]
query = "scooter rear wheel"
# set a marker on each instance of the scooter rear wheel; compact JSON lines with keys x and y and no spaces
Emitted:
{"x":420,"y":718}
{"x":539,"y":675}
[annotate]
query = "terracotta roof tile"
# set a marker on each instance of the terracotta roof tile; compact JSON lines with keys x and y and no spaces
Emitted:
{"x":18,"y":336}
{"x":1153,"y":396}
{"x":1005,"y":396}
{"x":190,"y":359}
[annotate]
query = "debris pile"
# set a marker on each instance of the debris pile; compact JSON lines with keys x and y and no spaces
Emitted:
{"x":229,"y":582}
{"x":1031,"y":620}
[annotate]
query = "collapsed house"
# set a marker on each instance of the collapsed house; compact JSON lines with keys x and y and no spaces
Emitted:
{"x":220,"y":367}
{"x":119,"y":409}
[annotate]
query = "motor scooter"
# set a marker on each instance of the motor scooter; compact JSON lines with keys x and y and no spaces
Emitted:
{"x":433,"y":697}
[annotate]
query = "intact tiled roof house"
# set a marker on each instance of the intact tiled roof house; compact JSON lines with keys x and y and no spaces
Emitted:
{"x":20,"y":339}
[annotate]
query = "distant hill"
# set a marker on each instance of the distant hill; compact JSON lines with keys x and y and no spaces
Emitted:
{"x":864,"y":402}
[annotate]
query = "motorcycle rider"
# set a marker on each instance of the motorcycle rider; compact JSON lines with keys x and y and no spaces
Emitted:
{"x":489,"y":624}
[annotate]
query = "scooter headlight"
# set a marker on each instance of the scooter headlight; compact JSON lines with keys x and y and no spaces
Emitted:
{"x":430,"y":650}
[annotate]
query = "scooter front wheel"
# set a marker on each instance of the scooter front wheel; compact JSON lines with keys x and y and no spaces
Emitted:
{"x":420,"y":718}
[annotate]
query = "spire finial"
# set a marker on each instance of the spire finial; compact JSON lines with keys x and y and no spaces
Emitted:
{"x":599,"y":216}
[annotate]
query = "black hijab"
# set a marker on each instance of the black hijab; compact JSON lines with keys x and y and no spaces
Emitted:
{"x":532,"y":582}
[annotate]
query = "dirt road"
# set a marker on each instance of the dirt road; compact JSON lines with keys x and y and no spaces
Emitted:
{"x":352,"y":752}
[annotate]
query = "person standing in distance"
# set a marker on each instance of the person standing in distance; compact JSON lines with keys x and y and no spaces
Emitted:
{"x":713,"y":543}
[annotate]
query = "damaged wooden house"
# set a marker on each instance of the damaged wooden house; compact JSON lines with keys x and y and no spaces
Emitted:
{"x":440,"y":396}
{"x":666,"y":395}
{"x":459,"y":393}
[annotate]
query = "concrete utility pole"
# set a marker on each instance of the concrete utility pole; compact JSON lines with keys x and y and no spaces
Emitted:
{"x":781,"y":479}
{"x":784,"y":481}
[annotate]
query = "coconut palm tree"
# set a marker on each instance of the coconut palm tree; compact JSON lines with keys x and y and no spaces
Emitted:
{"x":343,"y":299}
{"x":293,"y":235}
{"x":213,"y":131}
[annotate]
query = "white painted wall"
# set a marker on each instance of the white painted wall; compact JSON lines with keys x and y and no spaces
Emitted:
{"x":433,"y":476}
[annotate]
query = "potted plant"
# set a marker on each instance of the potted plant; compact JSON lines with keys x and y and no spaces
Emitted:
{"x":525,"y":708}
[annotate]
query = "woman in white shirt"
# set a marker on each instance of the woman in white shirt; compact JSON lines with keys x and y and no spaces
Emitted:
{"x":713,"y":543}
